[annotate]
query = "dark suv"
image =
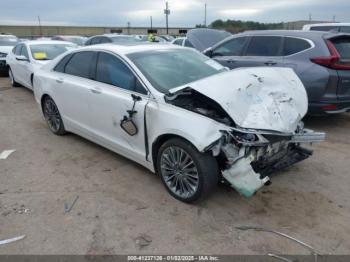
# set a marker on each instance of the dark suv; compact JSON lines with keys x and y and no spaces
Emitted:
{"x":320,"y":59}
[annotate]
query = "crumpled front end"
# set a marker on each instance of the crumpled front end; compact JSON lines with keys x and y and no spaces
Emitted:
{"x":247,"y":158}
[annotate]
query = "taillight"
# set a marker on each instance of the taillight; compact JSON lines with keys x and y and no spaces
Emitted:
{"x":332,"y":61}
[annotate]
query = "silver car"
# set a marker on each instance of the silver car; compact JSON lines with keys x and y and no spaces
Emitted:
{"x":320,"y":59}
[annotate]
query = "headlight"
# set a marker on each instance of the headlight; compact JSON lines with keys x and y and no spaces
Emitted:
{"x":3,"y":55}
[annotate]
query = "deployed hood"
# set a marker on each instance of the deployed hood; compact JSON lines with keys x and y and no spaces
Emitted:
{"x":261,"y":98}
{"x":203,"y":38}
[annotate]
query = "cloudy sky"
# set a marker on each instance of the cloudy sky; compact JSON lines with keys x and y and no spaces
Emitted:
{"x":183,"y":12}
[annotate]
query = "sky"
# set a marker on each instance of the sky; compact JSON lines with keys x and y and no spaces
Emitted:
{"x":184,"y":13}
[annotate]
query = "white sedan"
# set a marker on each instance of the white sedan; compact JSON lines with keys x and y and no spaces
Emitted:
{"x":27,"y":56}
{"x":179,"y":114}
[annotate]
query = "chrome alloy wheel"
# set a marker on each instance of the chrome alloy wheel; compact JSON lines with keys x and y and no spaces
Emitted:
{"x":179,"y":172}
{"x":52,"y":115}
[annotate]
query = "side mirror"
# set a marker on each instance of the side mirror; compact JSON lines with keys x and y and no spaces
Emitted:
{"x":22,"y":58}
{"x":128,"y":125}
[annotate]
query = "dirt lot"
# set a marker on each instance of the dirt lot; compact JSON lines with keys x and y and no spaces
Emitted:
{"x":123,"y":208}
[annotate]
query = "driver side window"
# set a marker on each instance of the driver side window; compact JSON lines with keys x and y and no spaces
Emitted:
{"x":111,"y":70}
{"x":233,"y":47}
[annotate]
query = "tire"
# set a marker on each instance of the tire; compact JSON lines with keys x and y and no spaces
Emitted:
{"x":190,"y":179}
{"x":53,"y":117}
{"x":12,"y":79}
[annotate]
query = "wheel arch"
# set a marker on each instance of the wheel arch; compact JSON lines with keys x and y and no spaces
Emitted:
{"x":159,"y":141}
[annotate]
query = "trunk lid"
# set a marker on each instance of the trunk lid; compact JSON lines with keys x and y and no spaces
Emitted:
{"x":261,"y":98}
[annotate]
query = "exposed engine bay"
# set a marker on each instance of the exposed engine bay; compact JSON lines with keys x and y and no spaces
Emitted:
{"x":247,"y":157}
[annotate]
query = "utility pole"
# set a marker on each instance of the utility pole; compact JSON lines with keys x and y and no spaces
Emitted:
{"x":205,"y":15}
{"x":40,"y":30}
{"x":333,"y":18}
{"x":167,"y":13}
{"x":151,"y":24}
{"x":310,"y":17}
{"x":128,"y":28}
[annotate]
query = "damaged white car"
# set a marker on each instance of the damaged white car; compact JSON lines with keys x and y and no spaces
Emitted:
{"x":179,"y":113}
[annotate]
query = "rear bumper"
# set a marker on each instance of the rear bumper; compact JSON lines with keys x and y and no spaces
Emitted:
{"x":328,"y":107}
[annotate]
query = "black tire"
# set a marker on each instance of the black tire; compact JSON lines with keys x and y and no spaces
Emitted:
{"x":204,"y":164}
{"x":12,"y":79}
{"x":53,"y":117}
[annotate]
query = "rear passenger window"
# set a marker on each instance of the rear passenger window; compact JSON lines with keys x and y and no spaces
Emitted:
{"x":264,"y":46}
{"x":188,"y":43}
{"x":60,"y":67}
{"x":95,"y":41}
{"x":294,"y":45}
{"x":104,"y":40}
{"x":232,"y":47}
{"x":112,"y":71}
{"x":80,"y":64}
{"x":178,"y":42}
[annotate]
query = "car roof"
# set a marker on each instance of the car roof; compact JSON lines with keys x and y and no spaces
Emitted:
{"x":45,"y":42}
{"x":295,"y":33}
{"x":327,"y":24}
{"x":131,"y":48}
{"x":3,"y":35}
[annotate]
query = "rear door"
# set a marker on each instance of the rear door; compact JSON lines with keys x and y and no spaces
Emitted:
{"x":263,"y":51}
{"x":72,"y":88}
{"x":230,"y":52}
{"x":342,"y":45}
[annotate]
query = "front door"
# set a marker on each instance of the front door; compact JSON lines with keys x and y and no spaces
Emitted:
{"x":116,"y":91}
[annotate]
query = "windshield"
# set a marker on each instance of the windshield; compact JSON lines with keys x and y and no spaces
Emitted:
{"x":49,"y":51}
{"x":8,"y":40}
{"x":166,"y":69}
{"x":125,"y":39}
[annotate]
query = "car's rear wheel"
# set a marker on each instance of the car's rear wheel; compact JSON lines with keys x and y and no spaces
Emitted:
{"x":53,"y":116}
{"x":187,"y":174}
{"x":12,"y":79}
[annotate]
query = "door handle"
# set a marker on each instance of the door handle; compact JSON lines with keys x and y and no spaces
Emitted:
{"x":96,"y":91}
{"x":59,"y":80}
{"x":230,"y":61}
{"x":270,"y":63}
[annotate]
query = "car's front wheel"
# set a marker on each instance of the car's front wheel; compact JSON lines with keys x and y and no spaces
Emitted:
{"x":187,"y":174}
{"x":12,"y":79}
{"x":53,"y":116}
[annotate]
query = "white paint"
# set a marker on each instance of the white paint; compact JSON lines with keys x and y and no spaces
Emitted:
{"x":257,"y":98}
{"x":6,"y":153}
{"x":243,"y":178}
{"x":10,"y":240}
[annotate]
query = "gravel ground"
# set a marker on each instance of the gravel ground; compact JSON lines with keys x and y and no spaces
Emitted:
{"x":123,"y":208}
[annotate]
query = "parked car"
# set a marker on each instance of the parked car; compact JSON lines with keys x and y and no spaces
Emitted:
{"x":238,"y":125}
{"x":168,"y":38}
{"x":320,"y":59}
{"x":27,"y":56}
{"x":334,"y":27}
{"x":75,"y":39}
{"x":7,"y":42}
{"x":182,"y":41}
{"x":144,"y":38}
{"x":112,"y":38}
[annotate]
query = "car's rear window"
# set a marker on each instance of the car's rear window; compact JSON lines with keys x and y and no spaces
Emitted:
{"x":343,"y":47}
